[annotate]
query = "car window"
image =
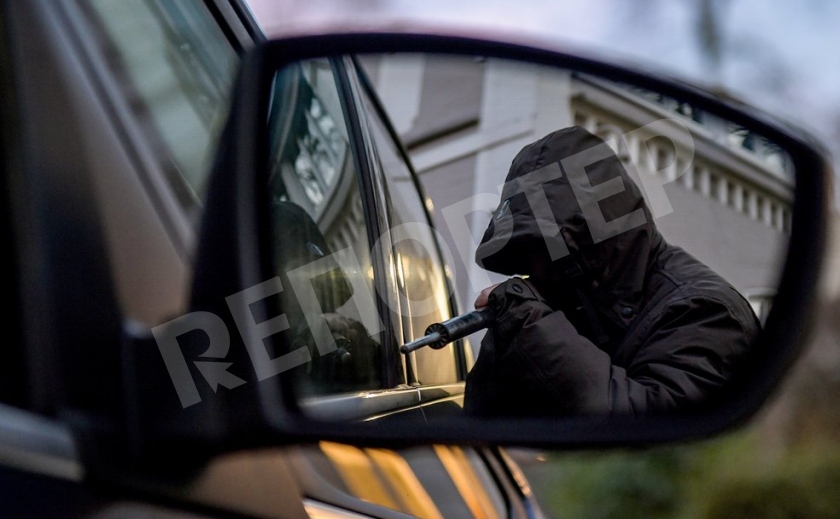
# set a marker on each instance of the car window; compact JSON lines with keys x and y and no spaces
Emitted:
{"x":321,"y":239}
{"x":424,"y":293}
{"x":177,"y":67}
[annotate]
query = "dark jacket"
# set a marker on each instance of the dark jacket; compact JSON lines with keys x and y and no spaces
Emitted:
{"x":662,"y":330}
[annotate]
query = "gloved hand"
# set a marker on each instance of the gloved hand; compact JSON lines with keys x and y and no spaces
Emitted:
{"x":516,"y":303}
{"x":498,"y":372}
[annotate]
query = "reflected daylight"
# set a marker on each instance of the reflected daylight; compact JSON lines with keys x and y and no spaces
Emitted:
{"x":625,"y":245}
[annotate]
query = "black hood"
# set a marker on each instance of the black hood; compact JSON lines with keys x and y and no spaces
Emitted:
{"x":616,"y":260}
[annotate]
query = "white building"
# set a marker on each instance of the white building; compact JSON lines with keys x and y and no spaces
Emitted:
{"x":727,"y":192}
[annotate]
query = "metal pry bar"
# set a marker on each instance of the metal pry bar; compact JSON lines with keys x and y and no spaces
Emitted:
{"x":439,"y":335}
{"x":428,"y":340}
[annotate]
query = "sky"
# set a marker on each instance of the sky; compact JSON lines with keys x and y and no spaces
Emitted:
{"x":782,"y":57}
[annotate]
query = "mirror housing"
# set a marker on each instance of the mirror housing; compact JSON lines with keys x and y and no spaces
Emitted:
{"x":233,"y":258}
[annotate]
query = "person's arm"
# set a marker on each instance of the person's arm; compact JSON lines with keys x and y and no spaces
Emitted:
{"x":542,"y":349}
{"x":688,"y":351}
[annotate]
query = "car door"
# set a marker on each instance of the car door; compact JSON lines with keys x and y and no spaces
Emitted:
{"x":338,"y":186}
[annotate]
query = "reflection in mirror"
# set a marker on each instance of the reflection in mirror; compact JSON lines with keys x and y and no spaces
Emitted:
{"x":320,"y":238}
{"x":627,"y":244}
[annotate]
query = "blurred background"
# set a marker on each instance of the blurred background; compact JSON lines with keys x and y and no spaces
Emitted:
{"x":778,"y":56}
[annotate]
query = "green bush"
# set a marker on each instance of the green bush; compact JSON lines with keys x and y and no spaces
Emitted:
{"x":731,"y":477}
{"x":804,"y":483}
{"x":616,"y":485}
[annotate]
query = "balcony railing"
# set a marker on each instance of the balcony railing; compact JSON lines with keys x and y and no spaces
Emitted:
{"x":754,"y":179}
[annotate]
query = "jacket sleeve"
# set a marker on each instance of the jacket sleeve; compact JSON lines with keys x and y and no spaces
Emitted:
{"x":534,"y":359}
{"x":690,"y":349}
{"x":687,"y":352}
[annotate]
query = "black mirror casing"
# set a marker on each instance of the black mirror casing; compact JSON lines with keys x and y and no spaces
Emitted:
{"x":233,"y":254}
{"x":159,"y":424}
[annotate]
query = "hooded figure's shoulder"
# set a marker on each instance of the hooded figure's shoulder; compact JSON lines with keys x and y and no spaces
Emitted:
{"x":677,"y":275}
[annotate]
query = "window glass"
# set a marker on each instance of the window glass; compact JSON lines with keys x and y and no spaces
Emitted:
{"x":423,"y":288}
{"x":321,"y":241}
{"x":177,"y":68}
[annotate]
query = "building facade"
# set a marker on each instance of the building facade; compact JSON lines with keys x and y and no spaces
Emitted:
{"x":716,"y":190}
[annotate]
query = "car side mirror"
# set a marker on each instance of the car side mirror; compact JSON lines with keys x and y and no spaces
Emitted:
{"x":652,"y":224}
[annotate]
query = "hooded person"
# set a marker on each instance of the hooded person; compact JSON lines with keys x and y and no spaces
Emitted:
{"x":611,"y":319}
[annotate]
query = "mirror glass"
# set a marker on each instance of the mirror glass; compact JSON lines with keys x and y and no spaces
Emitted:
{"x":634,"y":240}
